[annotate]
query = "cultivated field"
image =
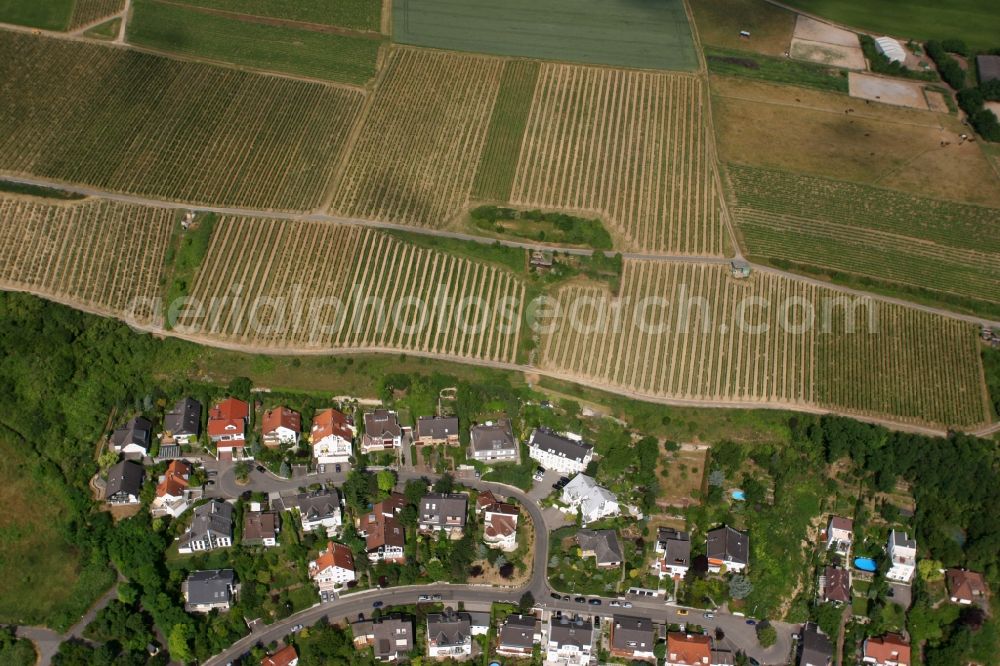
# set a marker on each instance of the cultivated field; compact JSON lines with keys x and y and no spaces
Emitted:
{"x":622,"y":33}
{"x":717,"y":340}
{"x":103,"y":254}
{"x":719,"y":24}
{"x":495,"y":174}
{"x":166,"y":26}
{"x":133,"y":122}
{"x":936,"y":245}
{"x":303,"y":270}
{"x":629,"y":146}
{"x":86,"y":12}
{"x":416,"y":156}
{"x":49,"y":15}
{"x":357,"y":14}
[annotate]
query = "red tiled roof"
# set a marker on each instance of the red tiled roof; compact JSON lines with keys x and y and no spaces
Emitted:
{"x":846,"y":524}
{"x":174,"y":482}
{"x":281,"y":417}
{"x":838,"y":584}
{"x":383,"y":531}
{"x":965,"y":585}
{"x":391,"y":505}
{"x":500,"y":525}
{"x":220,"y":427}
{"x":331,"y":422}
{"x":336,"y":554}
{"x":485,"y":499}
{"x":282,"y":657}
{"x":230,"y":408}
{"x":688,"y":649}
{"x":888,"y":647}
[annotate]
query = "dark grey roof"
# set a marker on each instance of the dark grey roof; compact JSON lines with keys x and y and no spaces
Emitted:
{"x":136,"y":431}
{"x":604,"y":544}
{"x":382,"y":423}
{"x":546,"y":440}
{"x":632,"y":633}
{"x":215,"y":517}
{"x":449,"y":629}
{"x":493,"y":437}
{"x":437,"y":427}
{"x":722,"y":657}
{"x":390,"y":630}
{"x":318,"y":505}
{"x":209,"y":587}
{"x":902,"y":540}
{"x":571,"y":631}
{"x":677,"y":545}
{"x":816,"y":648}
{"x":729,"y":545}
{"x":518,"y":631}
{"x":125,"y":477}
{"x":989,"y":67}
{"x":184,"y":418}
{"x":436,"y":507}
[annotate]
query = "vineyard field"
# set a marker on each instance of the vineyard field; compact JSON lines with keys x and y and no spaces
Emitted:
{"x":86,"y":12}
{"x":746,"y":341}
{"x":892,"y":236}
{"x":133,"y":122}
{"x":335,"y":57}
{"x":495,"y":174}
{"x":103,"y":254}
{"x":416,"y":157}
{"x":356,"y":14}
{"x":278,"y":280}
{"x":48,"y":15}
{"x":631,"y":147}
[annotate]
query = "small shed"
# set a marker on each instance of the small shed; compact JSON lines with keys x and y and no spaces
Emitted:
{"x":739,"y":268}
{"x":541,"y":259}
{"x":988,"y":67}
{"x":891,"y":49}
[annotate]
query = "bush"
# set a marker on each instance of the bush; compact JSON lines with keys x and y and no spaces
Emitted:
{"x":954,"y":45}
{"x":766,"y":634}
{"x":950,"y":70}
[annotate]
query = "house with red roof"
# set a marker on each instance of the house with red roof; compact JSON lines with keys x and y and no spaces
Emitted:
{"x":500,"y":526}
{"x":332,"y":437}
{"x":965,"y":587}
{"x":280,"y":425}
{"x":286,"y":656}
{"x":888,"y":650}
{"x":334,"y":567}
{"x":688,"y":649}
{"x":173,"y":493}
{"x":227,"y":425}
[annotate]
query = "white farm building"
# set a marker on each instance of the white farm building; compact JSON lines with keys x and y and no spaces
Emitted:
{"x":890,"y":48}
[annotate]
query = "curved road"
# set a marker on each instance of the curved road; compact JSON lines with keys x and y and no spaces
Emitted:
{"x":348,"y":607}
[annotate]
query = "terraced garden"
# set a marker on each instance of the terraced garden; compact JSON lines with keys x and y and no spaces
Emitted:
{"x":629,"y":146}
{"x":133,"y":122}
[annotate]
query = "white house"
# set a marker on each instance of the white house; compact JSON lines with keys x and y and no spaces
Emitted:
{"x":205,"y":591}
{"x":840,"y":535}
{"x":332,"y":437}
{"x":211,"y":528}
{"x":500,"y":526}
{"x":124,"y":483}
{"x":902,"y":557}
{"x":562,"y":454}
{"x":334,"y":567}
{"x":673,"y":553}
{"x":727,"y":548}
{"x":132,"y":438}
{"x":227,"y":422}
{"x":593,"y":501}
{"x":280,"y":425}
{"x":173,"y":495}
{"x":449,"y":634}
{"x":318,"y":510}
{"x":382,"y":431}
{"x":493,"y":442}
{"x":569,"y":641}
{"x":517,"y":636}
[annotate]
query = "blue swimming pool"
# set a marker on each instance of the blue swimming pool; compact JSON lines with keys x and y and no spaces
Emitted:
{"x":865,"y":564}
{"x":738,"y":495}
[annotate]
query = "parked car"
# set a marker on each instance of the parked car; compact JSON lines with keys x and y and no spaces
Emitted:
{"x":580,"y":600}
{"x":424,"y":597}
{"x":539,"y":473}
{"x":437,"y":597}
{"x":321,"y":469}
{"x":708,"y":616}
{"x":555,"y":596}
{"x":377,"y":604}
{"x":615,"y":603}
{"x":682,"y":611}
{"x":260,"y":468}
{"x":478,"y":474}
{"x":626,"y":604}
{"x":751,"y":622}
{"x":594,"y":602}
{"x":337,"y":468}
{"x":297,"y":627}
{"x":565,"y":597}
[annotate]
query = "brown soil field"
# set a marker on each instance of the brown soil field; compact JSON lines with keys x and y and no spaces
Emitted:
{"x":719,"y":23}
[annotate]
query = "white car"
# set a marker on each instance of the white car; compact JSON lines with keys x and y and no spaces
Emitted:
{"x":424,"y":597}
{"x":626,"y":604}
{"x":615,"y":603}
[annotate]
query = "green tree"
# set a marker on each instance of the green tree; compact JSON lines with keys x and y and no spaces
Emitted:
{"x":386,"y":479}
{"x":766,"y":634}
{"x":178,"y":643}
{"x":242,"y":471}
{"x":527,"y":601}
{"x":740,"y":587}
{"x":445,"y":484}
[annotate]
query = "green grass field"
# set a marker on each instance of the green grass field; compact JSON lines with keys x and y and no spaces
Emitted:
{"x":106,"y":30}
{"x":919,"y":243}
{"x":169,"y":27}
{"x":498,"y":163}
{"x":356,"y":14}
{"x":975,"y":21}
{"x":45,"y":14}
{"x":625,"y":33}
{"x":775,"y":70}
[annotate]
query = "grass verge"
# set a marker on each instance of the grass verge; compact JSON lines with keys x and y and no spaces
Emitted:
{"x":775,"y":70}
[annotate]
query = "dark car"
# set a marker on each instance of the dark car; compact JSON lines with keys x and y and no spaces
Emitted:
{"x":555,"y":596}
{"x":580,"y":600}
{"x":337,"y":468}
{"x":751,"y":621}
{"x":377,"y":604}
{"x":594,"y":602}
{"x":260,"y":468}
{"x":246,"y":495}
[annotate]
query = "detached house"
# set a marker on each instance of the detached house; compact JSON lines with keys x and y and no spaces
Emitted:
{"x":816,"y":647}
{"x":965,"y":587}
{"x":673,"y":553}
{"x":441,"y":511}
{"x":518,"y":635}
{"x":182,"y":424}
{"x":332,"y":437}
{"x":132,"y":438}
{"x":888,"y":650}
{"x":835,"y":585}
{"x":840,"y":535}
{"x":205,"y":591}
{"x":902,"y":557}
{"x":280,"y":425}
{"x":493,"y":442}
{"x":286,"y":656}
{"x":124,"y":483}
{"x":728,"y":548}
{"x":319,"y":509}
{"x":333,"y":569}
{"x":449,"y":634}
{"x":688,"y":649}
{"x":632,"y":637}
{"x":227,"y":424}
{"x":593,"y":501}
{"x":384,"y":534}
{"x":382,"y":431}
{"x":173,"y":496}
{"x":562,"y":454}
{"x":211,"y":528}
{"x":602,"y":545}
{"x":437,"y":430}
{"x":500,"y":526}
{"x":390,"y":638}
{"x":260,"y":528}
{"x":570,"y":641}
